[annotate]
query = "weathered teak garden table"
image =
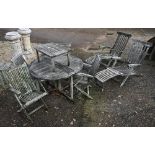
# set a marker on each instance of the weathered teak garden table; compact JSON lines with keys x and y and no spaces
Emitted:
{"x":53,"y":50}
{"x":56,"y":65}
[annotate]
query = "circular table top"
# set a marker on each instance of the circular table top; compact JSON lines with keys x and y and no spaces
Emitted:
{"x":43,"y":69}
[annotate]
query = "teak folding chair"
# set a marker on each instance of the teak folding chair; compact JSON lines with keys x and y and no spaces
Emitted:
{"x":135,"y":56}
{"x":26,"y":90}
{"x":115,"y":52}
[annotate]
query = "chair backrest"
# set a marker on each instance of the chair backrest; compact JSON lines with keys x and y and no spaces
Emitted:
{"x":120,"y":43}
{"x":20,"y":79}
{"x":95,"y":65}
{"x":18,"y":60}
{"x":138,"y":51}
{"x":3,"y":68}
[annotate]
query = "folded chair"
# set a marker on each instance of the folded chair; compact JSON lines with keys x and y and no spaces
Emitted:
{"x":18,"y":60}
{"x":115,"y":51}
{"x":4,"y":67}
{"x":26,"y":90}
{"x":83,"y":77}
{"x":135,"y":56}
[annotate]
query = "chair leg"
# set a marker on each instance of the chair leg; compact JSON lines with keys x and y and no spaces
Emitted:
{"x":71,"y":87}
{"x":44,"y":104}
{"x":26,"y":113}
{"x":115,"y":62}
{"x":23,"y":109}
{"x":110,"y":61}
{"x":124,"y":81}
{"x":83,"y":92}
{"x":88,"y":90}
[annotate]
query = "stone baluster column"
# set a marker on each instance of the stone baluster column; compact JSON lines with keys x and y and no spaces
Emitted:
{"x":14,"y":39}
{"x":28,"y":51}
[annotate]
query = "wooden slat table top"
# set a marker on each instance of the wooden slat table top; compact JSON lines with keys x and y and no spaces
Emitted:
{"x":43,"y":69}
{"x":53,"y":49}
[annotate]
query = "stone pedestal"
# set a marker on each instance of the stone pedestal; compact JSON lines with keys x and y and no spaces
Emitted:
{"x":14,"y":39}
{"x":28,"y":51}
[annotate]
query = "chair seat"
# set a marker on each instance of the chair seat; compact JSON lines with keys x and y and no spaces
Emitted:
{"x":124,"y":70}
{"x":107,"y":74}
{"x":32,"y":97}
{"x":110,"y":73}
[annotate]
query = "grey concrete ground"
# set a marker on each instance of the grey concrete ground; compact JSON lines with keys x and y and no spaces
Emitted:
{"x":132,"y":105}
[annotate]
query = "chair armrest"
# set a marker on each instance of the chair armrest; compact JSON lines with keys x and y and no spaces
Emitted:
{"x":133,"y":65}
{"x":104,"y":47}
{"x":116,"y":57}
{"x":15,"y":91}
{"x":84,"y":74}
{"x":87,"y":65}
{"x":42,"y":86}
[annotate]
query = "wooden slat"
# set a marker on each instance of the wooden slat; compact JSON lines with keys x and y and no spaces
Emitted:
{"x":52,"y":50}
{"x":107,"y":74}
{"x":63,"y":67}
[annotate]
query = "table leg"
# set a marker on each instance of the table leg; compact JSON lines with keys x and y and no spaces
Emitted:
{"x":53,"y":65}
{"x":68,"y":62}
{"x":38,"y":55}
{"x":71,"y":87}
{"x":59,"y":87}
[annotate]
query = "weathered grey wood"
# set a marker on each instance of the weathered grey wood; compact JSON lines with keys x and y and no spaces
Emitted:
{"x":53,"y":49}
{"x":64,"y":68}
{"x":136,"y":55}
{"x":28,"y":93}
{"x":18,"y":60}
{"x":83,"y":92}
{"x":95,"y":65}
{"x":107,"y":74}
{"x":71,"y":87}
{"x":120,"y":43}
{"x":42,"y":70}
{"x":87,"y":73}
{"x":4,"y":67}
{"x":116,"y":50}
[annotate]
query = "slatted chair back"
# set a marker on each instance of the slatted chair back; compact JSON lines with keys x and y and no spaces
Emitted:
{"x":95,"y":65}
{"x":18,"y":60}
{"x":3,"y":82}
{"x":3,"y":69}
{"x":20,"y":79}
{"x":138,"y":51}
{"x":120,"y":43}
